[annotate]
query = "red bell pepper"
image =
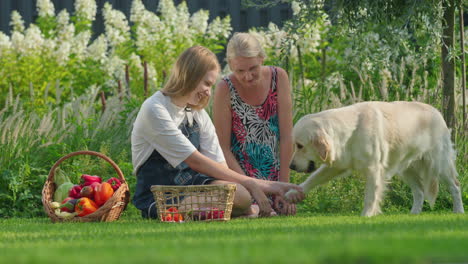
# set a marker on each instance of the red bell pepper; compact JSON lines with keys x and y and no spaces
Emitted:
{"x":85,"y":206}
{"x":114,"y":182}
{"x":75,"y":192}
{"x":102,"y":193}
{"x":88,"y":179}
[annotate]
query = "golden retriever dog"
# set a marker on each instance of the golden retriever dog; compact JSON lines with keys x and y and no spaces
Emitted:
{"x":378,"y":140}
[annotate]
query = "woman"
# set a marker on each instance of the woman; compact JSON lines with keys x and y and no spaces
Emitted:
{"x":174,"y":141}
{"x":253,"y":116}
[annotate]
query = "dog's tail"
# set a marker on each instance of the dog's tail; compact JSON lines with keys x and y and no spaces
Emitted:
{"x":441,"y":166}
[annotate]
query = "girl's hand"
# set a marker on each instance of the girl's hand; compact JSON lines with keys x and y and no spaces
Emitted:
{"x":283,"y":207}
{"x":280,"y":188}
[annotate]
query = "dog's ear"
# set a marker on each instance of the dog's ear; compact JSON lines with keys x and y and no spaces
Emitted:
{"x":322,"y":143}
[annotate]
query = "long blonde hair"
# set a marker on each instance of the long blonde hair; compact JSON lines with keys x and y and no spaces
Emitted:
{"x":244,"y":45}
{"x":188,"y":71}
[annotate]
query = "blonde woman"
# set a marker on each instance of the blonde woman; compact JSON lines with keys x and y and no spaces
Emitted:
{"x":174,"y":141}
{"x":253,"y":116}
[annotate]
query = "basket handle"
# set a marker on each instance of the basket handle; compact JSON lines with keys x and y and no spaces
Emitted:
{"x":85,"y":152}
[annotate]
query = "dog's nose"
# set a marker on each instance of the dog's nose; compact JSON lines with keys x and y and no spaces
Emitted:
{"x":292,"y":166}
{"x":311,"y":166}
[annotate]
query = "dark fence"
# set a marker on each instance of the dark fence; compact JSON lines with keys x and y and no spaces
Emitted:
{"x":241,"y":18}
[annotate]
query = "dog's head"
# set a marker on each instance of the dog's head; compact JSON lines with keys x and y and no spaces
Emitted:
{"x":312,"y":145}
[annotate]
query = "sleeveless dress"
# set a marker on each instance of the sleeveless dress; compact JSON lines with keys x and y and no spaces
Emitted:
{"x":255,"y":133}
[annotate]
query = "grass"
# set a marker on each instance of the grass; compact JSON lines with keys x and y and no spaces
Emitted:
{"x":306,"y":238}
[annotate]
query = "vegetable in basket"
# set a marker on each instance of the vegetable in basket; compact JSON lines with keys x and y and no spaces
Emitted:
{"x":114,"y":182}
{"x":208,"y":213}
{"x":65,"y":215}
{"x":63,"y":184}
{"x":68,"y":205}
{"x":75,"y":192}
{"x":85,"y":206}
{"x":172,"y":215}
{"x":88,"y":191}
{"x":88,"y":179}
{"x":102,"y":193}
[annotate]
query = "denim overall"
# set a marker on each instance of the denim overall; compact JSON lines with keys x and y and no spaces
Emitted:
{"x":157,"y":171}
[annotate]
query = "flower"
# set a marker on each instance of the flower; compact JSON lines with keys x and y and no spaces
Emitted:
{"x":29,"y":43}
{"x":62,"y":54}
{"x":17,"y":22}
{"x":86,"y":9}
{"x":45,"y":8}
{"x":137,"y":11}
{"x":98,"y":49}
{"x":5,"y":42}
{"x":65,"y":30}
{"x":219,"y":28}
{"x":296,"y":8}
{"x":80,"y":43}
{"x":116,"y":26}
{"x":199,"y":21}
{"x":63,"y":18}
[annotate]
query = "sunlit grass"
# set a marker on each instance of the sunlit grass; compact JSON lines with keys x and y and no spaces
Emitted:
{"x":306,"y":238}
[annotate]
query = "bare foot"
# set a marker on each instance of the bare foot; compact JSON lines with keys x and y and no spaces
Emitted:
{"x":252,"y":212}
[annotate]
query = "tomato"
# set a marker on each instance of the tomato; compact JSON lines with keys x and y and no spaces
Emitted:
{"x":167,"y":218}
{"x":172,"y":215}
{"x":178,"y":218}
{"x":172,"y":209}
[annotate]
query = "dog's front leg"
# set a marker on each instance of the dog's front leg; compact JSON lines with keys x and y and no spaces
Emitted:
{"x":320,"y":176}
{"x":375,"y":187}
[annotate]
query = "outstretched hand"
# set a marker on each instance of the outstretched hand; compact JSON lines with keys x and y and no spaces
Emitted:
{"x":281,"y":188}
{"x":283,"y":207}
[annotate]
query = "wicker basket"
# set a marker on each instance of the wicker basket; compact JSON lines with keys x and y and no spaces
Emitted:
{"x":108,"y":212}
{"x":194,"y":202}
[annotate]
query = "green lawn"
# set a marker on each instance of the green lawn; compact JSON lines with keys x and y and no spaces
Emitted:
{"x":427,"y":238}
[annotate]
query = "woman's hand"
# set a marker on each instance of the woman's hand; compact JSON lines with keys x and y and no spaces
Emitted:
{"x":283,"y":207}
{"x":259,"y":196}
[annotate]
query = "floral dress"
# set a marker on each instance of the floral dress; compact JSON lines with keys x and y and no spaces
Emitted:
{"x":255,"y":133}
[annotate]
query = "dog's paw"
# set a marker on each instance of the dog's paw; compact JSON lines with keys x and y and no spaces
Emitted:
{"x":292,"y":196}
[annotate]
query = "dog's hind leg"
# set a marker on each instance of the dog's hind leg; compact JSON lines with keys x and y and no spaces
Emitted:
{"x":375,"y":187}
{"x":450,"y":177}
{"x":412,"y":177}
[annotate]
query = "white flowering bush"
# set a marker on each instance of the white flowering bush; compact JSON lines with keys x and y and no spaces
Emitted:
{"x":58,"y":49}
{"x":331,"y":65}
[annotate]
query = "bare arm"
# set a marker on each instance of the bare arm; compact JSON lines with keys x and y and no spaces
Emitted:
{"x":223,"y":122}
{"x":286,"y":142}
{"x":285,"y":124}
